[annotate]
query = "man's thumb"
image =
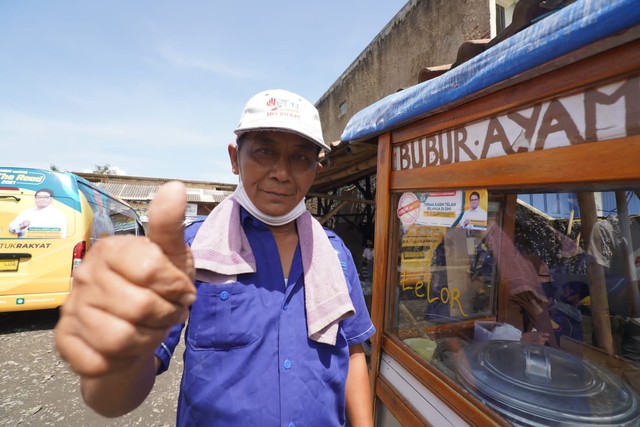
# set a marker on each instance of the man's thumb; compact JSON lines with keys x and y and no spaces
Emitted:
{"x":166,"y":221}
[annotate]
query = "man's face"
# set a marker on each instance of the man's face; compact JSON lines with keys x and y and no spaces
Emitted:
{"x":99,"y":202}
{"x":276,"y":169}
{"x":474,"y":201}
{"x":43,"y":199}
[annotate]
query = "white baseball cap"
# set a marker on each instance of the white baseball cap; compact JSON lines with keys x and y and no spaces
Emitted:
{"x":281,"y":110}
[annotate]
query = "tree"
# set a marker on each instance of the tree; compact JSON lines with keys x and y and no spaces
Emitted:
{"x":104,"y":169}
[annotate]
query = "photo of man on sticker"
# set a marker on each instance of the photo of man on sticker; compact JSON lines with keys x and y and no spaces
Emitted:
{"x":475,"y":217}
{"x":42,"y":221}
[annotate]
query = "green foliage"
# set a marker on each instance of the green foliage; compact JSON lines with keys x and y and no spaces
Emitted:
{"x":104,"y":169}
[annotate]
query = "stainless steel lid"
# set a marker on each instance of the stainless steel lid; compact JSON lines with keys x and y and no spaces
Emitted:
{"x":532,"y":385}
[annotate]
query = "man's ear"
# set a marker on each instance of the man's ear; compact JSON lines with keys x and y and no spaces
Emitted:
{"x":319,"y":167}
{"x":233,"y":157}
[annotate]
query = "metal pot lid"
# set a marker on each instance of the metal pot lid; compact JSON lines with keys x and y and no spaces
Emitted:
{"x":532,"y":385}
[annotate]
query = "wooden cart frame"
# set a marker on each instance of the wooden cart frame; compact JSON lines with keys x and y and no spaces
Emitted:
{"x":584,"y":164}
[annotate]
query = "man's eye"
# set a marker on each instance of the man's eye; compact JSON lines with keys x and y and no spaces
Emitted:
{"x":263,"y":151}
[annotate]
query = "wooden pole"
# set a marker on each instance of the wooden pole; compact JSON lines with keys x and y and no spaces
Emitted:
{"x":570,"y":225}
{"x":382,"y":265}
{"x":334,"y":211}
{"x":627,"y":252}
{"x":341,"y":198}
{"x":595,"y":274}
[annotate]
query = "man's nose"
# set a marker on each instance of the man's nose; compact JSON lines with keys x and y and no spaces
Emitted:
{"x":281,"y":168}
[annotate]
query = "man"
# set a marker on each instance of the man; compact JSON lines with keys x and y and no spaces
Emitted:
{"x":527,"y":305}
{"x":43,"y":220}
{"x":367,"y":259}
{"x":272,"y":337}
{"x":475,"y":217}
{"x":101,"y":225}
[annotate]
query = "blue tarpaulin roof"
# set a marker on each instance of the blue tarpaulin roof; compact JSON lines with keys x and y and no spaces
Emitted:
{"x":568,"y":29}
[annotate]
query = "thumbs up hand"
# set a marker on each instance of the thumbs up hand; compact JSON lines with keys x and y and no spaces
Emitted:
{"x":166,"y":230}
{"x":128,"y":292}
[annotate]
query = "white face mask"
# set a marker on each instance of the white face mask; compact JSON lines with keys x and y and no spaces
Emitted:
{"x":243,"y":199}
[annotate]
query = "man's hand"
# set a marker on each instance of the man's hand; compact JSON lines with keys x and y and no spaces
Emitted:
{"x":128,"y":292}
{"x":539,"y":338}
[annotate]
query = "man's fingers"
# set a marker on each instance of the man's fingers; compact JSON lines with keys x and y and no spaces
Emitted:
{"x":166,"y":219}
{"x":166,"y":229}
{"x":101,"y":343}
{"x":138,"y":305}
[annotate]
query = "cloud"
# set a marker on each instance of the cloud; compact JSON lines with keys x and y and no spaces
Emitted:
{"x":179,"y":59}
{"x":142,"y":132}
{"x":139,"y":148}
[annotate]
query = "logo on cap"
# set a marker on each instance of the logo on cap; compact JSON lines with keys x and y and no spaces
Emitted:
{"x":283,"y":108}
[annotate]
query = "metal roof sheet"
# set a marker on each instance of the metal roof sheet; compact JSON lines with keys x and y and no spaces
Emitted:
{"x":146,"y":192}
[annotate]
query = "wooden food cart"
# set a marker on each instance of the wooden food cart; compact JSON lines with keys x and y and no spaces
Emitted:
{"x":507,"y":250}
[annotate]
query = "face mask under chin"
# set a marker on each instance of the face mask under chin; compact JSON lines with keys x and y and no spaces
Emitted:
{"x":241,"y":196}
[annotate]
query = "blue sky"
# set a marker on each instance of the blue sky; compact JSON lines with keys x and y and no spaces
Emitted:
{"x":155,"y":88}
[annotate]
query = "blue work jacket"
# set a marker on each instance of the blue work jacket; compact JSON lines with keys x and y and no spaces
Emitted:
{"x":248,"y":360}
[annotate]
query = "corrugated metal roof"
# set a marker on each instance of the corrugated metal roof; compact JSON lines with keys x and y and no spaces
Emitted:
{"x":207,"y":195}
{"x":146,"y":192}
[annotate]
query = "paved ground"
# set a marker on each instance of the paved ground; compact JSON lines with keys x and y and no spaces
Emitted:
{"x":37,"y":389}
